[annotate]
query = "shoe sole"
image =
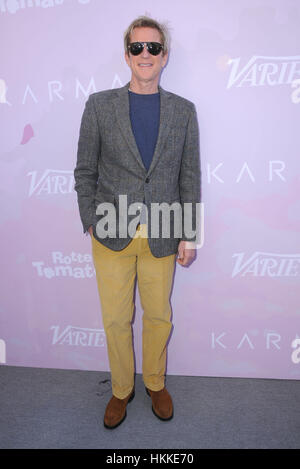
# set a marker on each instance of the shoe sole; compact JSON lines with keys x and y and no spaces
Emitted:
{"x":156,"y":415}
{"x":122,"y":420}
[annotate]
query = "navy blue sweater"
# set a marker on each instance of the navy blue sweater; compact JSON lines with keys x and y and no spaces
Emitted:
{"x":144,"y":116}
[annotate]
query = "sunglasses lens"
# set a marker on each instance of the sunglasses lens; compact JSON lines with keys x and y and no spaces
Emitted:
{"x":154,"y":48}
{"x":136,"y":48}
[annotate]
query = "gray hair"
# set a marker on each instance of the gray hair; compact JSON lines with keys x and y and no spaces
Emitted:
{"x":147,"y":22}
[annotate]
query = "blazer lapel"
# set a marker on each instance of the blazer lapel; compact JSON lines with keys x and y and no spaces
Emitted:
{"x":166,"y":115}
{"x":165,"y":124}
{"x":122,"y":112}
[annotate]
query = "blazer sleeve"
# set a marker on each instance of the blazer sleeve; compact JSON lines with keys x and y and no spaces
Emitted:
{"x":189,"y":181}
{"x":86,"y":170}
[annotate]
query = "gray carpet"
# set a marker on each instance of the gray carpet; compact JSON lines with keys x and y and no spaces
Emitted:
{"x":50,"y":408}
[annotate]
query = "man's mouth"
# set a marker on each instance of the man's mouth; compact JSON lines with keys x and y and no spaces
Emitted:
{"x":145,"y":65}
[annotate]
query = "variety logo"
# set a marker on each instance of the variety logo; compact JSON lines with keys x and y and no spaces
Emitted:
{"x":12,"y":6}
{"x":63,"y":266}
{"x":2,"y":351}
{"x":264,"y":71}
{"x":266,"y":264}
{"x":52,"y":181}
{"x":78,"y":336}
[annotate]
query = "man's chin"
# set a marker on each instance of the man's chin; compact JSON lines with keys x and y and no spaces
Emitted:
{"x":146,"y":77}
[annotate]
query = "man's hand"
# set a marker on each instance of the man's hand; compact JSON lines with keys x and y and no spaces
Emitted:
{"x":186,"y":253}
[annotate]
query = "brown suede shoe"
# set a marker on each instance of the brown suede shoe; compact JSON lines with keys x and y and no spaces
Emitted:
{"x":162,"y":405}
{"x":115,"y":412}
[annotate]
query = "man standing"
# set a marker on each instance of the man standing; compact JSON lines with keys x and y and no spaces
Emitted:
{"x":139,"y":145}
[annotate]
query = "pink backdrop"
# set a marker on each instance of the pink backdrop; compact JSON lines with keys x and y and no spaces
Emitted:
{"x":236,"y":309}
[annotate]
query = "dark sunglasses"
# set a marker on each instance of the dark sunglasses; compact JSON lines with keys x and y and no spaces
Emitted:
{"x":154,"y":48}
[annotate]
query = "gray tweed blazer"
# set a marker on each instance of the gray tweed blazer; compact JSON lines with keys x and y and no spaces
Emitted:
{"x":109,"y":165}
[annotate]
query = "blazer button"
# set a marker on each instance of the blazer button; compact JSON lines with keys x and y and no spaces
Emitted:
{"x":147,"y":180}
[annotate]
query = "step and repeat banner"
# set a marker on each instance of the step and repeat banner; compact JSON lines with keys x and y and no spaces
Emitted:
{"x":236,"y":309}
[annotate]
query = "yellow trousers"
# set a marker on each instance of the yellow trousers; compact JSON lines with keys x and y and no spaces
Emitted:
{"x":116,"y":272}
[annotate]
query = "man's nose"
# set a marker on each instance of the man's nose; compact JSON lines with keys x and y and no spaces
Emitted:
{"x":145,"y":53}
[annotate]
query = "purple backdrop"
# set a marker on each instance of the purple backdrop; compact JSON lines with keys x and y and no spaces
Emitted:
{"x":236,"y":309}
